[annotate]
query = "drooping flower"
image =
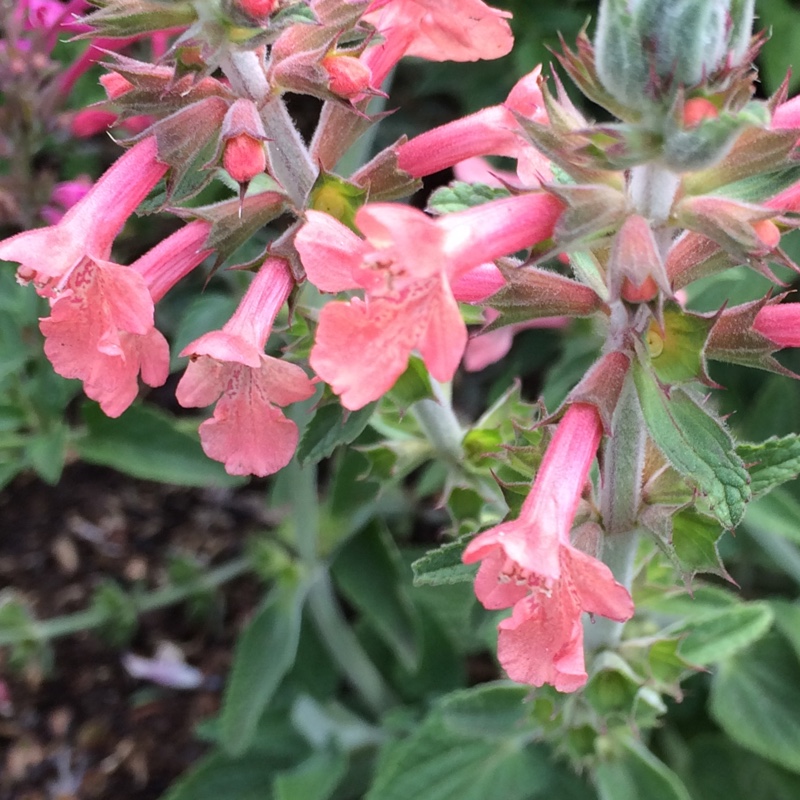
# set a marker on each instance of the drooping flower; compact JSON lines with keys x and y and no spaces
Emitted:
{"x":406,"y":267}
{"x":530,"y":564}
{"x":101,"y":328}
{"x":248,"y":432}
{"x":48,"y":255}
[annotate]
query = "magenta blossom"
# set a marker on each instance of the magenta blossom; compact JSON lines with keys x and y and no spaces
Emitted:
{"x":530,"y":564}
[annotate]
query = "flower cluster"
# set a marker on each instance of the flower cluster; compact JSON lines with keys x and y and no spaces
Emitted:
{"x":609,"y":221}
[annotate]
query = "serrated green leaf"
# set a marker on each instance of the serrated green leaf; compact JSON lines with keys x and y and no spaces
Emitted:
{"x":444,"y":565}
{"x":694,"y":542}
{"x":771,"y":463}
{"x":716,"y":636}
{"x":146,"y":443}
{"x":330,"y":427}
{"x":696,"y":445}
{"x":755,"y":696}
{"x":448,"y":759}
{"x":459,"y":196}
{"x":264,"y":653}
{"x":638,"y":774}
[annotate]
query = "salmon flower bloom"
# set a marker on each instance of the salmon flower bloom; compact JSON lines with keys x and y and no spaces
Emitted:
{"x":529,"y":564}
{"x":248,"y":432}
{"x":406,"y":266}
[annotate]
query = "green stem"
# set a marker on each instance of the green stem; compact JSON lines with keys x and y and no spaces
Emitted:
{"x":161,"y":598}
{"x":440,"y":425}
{"x":329,"y":620}
{"x":619,"y":553}
{"x":652,"y":188}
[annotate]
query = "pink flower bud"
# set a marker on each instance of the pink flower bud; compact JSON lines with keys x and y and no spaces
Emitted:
{"x":349,"y":77}
{"x":244,"y":158}
{"x":91,"y":121}
{"x":115,"y":85}
{"x":256,"y":8}
{"x":696,"y":110}
{"x":768,"y":232}
{"x":243,"y":135}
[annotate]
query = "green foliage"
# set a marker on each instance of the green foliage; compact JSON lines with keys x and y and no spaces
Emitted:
{"x":264,"y":653}
{"x":149,"y":444}
{"x":330,"y":427}
{"x":696,"y":445}
{"x":459,"y":196}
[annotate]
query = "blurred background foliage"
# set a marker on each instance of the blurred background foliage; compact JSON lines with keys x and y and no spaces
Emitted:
{"x":432,"y":736}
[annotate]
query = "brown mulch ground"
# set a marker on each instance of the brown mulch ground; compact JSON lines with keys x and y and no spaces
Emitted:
{"x":85,"y":728}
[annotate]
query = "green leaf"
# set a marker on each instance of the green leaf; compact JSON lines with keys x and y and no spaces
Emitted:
{"x":681,"y":356}
{"x":459,"y":196}
{"x":771,"y":463}
{"x":776,"y":514}
{"x":694,"y":542}
{"x":787,"y":621}
{"x":637,"y":775}
{"x":449,"y":758}
{"x":721,"y":634}
{"x":444,"y":565}
{"x":755,"y":696}
{"x":218,"y":777}
{"x":264,"y":654}
{"x":146,"y":443}
{"x":722,"y":771}
{"x":379,"y":591}
{"x":314,"y":779}
{"x":331,"y":426}
{"x":47,"y":451}
{"x":413,"y":385}
{"x":696,"y":445}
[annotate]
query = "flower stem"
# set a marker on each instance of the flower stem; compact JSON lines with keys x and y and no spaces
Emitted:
{"x":440,"y":425}
{"x":91,"y":618}
{"x":332,"y":626}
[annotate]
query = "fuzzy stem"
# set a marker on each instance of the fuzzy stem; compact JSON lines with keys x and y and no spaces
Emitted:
{"x":619,"y":553}
{"x":161,"y":598}
{"x":439,"y":424}
{"x":652,"y":188}
{"x":291,"y":163}
{"x":342,"y":644}
{"x":623,"y":461}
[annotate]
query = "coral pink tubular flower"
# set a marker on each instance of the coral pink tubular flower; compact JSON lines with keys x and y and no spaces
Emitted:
{"x":48,"y":255}
{"x":780,"y":324}
{"x":530,"y":564}
{"x":100,"y":329}
{"x":247,"y":432}
{"x":406,"y":267}
{"x":490,"y":131}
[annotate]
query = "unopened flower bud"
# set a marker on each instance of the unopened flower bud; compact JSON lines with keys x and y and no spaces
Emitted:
{"x":768,"y":232}
{"x":349,"y":77}
{"x":696,"y":110}
{"x":645,"y":49}
{"x":243,"y":136}
{"x":243,"y":158}
{"x":256,"y":8}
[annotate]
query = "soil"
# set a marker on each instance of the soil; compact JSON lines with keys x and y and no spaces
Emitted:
{"x":81,"y":726}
